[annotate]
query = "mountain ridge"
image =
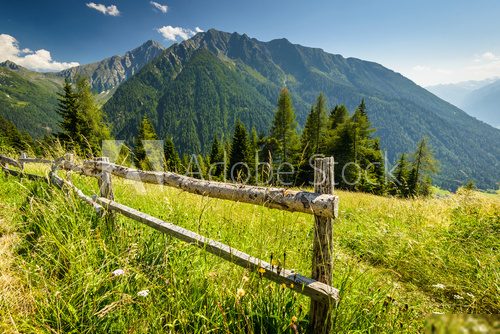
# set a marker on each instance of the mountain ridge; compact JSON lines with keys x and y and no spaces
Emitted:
{"x":402,"y":111}
{"x":479,"y":99}
{"x":108,"y":73}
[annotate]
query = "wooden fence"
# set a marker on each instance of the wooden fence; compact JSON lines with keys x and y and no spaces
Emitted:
{"x":321,"y":203}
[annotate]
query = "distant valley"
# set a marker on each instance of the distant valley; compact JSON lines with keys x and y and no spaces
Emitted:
{"x":480,"y":99}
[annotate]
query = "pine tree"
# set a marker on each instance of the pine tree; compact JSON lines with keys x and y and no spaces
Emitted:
{"x":216,"y":158}
{"x":92,"y":126}
{"x":172,"y":160}
{"x":338,"y":115}
{"x":70,"y":118}
{"x":422,"y":168}
{"x":284,"y":130}
{"x":254,"y":142}
{"x":378,"y":169}
{"x":141,"y":155}
{"x":399,"y":185}
{"x":314,"y":134}
{"x":239,"y":156}
{"x":362,"y":107}
{"x":313,"y":139}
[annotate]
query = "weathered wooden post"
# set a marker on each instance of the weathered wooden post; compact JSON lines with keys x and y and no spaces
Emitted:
{"x":69,"y":157}
{"x":23,"y":156}
{"x":105,"y":186}
{"x":322,"y":266}
{"x":106,"y":189}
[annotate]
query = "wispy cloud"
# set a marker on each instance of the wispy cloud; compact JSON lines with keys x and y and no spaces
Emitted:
{"x":173,"y":33}
{"x":198,"y":29}
{"x":110,"y":10}
{"x":479,"y":66}
{"x":39,"y":60}
{"x":486,"y":57}
{"x":159,"y":6}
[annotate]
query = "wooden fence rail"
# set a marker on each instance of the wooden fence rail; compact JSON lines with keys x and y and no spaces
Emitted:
{"x":322,"y":204}
{"x":306,"y":286}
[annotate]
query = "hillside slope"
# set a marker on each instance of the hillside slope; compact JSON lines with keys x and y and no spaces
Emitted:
{"x":484,"y":103}
{"x":402,"y":111}
{"x":29,"y":99}
{"x":480,"y":99}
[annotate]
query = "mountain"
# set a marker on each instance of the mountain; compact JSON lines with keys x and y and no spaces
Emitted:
{"x":107,"y":74}
{"x":484,"y":103}
{"x":28,"y":99}
{"x":196,"y":89}
{"x":479,"y":99}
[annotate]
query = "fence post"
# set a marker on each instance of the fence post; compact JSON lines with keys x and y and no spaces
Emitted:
{"x":69,"y":157}
{"x":104,"y":181}
{"x":23,"y":156}
{"x":322,"y":266}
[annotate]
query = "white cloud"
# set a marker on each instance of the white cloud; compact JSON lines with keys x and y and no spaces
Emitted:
{"x":488,"y":56}
{"x":421,"y":68}
{"x":172,"y":33}
{"x":39,"y":60}
{"x":198,"y":29}
{"x":111,"y":10}
{"x":160,"y":7}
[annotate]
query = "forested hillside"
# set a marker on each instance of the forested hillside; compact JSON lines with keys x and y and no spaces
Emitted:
{"x":401,"y":111}
{"x":28,"y":99}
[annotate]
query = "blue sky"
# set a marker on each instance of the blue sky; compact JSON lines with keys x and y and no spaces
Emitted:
{"x":428,"y":41}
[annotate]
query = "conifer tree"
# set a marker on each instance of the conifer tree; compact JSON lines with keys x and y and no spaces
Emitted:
{"x":284,"y":130}
{"x":314,"y":134}
{"x":422,"y":168}
{"x":93,"y":128}
{"x":399,"y":185}
{"x":254,"y":142}
{"x":146,"y":132}
{"x":68,"y":110}
{"x":239,"y":155}
{"x":172,"y":160}
{"x":338,"y":115}
{"x":216,"y":157}
{"x":313,"y":139}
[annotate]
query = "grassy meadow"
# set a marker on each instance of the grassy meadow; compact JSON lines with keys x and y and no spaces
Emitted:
{"x":400,"y":265}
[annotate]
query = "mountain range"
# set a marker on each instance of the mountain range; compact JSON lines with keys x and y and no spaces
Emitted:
{"x":197,"y":89}
{"x":29,"y":99}
{"x":480,"y":99}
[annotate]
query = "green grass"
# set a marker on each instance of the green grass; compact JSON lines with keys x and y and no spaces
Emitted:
{"x":390,"y":255}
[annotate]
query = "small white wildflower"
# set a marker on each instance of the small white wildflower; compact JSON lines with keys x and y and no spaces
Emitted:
{"x":143,"y":293}
{"x":118,"y":272}
{"x":240,"y":293}
{"x":470,"y":295}
{"x":438,"y":286}
{"x":458,"y":297}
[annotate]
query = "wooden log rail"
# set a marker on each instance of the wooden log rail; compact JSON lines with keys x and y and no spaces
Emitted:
{"x":323,"y":205}
{"x":306,"y":286}
{"x":5,"y":161}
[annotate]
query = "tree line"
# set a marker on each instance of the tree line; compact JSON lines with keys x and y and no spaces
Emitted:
{"x":286,"y":156}
{"x":282,"y":156}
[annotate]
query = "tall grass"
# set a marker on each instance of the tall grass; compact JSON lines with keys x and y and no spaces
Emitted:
{"x":389,"y":254}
